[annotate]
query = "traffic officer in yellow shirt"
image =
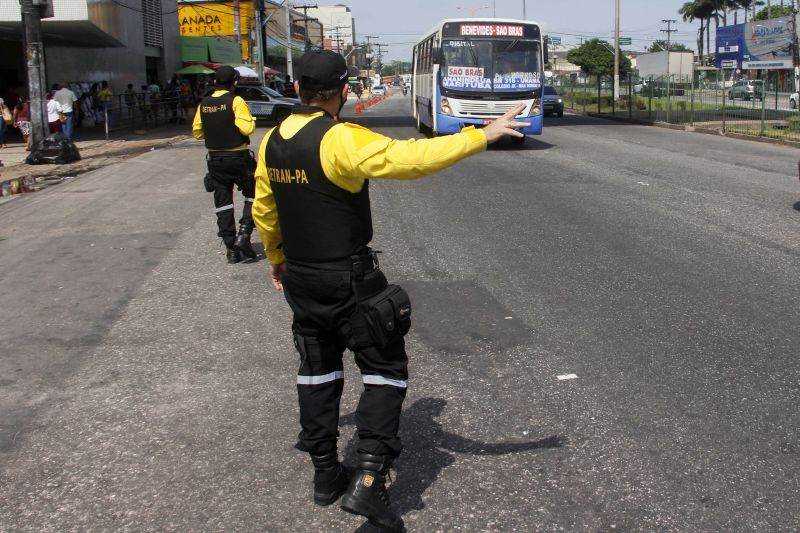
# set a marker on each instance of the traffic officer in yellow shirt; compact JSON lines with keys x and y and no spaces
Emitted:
{"x":225,"y":122}
{"x":312,"y":211}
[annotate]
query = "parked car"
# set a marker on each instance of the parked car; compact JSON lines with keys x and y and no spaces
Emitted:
{"x":747,"y":89}
{"x":265,"y":104}
{"x":552,"y":101}
{"x":378,"y":90}
{"x":793,"y":98}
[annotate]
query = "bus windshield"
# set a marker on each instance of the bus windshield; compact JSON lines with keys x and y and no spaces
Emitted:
{"x":490,"y":66}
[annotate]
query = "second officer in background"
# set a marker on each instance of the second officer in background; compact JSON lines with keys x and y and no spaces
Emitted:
{"x":224,"y":121}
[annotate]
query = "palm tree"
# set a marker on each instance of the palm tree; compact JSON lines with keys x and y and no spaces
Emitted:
{"x":691,"y":12}
{"x":748,"y":5}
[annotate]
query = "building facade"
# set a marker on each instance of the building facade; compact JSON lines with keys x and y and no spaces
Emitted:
{"x":339,"y":26}
{"x":88,"y":41}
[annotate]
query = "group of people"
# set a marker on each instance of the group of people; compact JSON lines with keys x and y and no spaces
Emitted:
{"x":307,"y":193}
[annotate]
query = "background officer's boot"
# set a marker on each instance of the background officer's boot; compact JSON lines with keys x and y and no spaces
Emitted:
{"x":233,"y":255}
{"x":330,"y":478}
{"x":242,"y":242}
{"x":367,"y":494}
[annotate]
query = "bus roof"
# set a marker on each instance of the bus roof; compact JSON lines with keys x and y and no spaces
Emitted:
{"x":441,"y":23}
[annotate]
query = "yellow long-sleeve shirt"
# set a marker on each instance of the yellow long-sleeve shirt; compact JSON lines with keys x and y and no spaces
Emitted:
{"x":243,"y":120}
{"x":351,"y":154}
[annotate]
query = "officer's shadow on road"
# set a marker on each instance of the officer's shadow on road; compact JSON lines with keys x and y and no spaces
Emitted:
{"x":429,"y":449}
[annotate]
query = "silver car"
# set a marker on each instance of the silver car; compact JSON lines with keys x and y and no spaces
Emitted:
{"x":747,"y":90}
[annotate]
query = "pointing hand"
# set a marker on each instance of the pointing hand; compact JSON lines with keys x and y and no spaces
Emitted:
{"x":505,"y":125}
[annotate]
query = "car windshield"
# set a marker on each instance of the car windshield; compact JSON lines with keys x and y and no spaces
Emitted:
{"x":271,"y":92}
{"x":483,"y":65}
{"x":548,"y":90}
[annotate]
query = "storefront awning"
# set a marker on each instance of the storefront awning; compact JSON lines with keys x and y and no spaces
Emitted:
{"x":209,"y":49}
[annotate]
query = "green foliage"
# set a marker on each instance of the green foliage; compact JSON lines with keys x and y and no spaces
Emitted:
{"x":794,"y":123}
{"x":661,"y":45}
{"x":596,"y":57}
{"x":776,"y":12}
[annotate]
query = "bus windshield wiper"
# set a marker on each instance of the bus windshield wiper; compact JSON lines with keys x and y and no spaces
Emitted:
{"x":472,"y":53}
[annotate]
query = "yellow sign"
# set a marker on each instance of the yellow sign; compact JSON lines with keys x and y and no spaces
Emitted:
{"x":217,"y":20}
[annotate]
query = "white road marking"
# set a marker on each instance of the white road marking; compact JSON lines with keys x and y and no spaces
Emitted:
{"x":562,"y":377}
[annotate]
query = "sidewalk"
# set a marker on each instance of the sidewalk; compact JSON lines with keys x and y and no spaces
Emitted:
{"x":95,"y":152}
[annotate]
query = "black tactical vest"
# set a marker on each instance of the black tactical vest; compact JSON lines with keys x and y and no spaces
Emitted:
{"x":319,"y":220}
{"x":219,"y":127}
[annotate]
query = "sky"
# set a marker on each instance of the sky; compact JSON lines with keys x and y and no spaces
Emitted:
{"x":399,"y":23}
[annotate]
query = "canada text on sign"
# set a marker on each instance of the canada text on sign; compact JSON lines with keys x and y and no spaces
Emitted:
{"x":492,"y":30}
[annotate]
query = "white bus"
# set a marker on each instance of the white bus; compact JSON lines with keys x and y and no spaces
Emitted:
{"x":471,"y":71}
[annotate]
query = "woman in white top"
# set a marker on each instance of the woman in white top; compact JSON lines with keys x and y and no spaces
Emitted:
{"x":52,"y":114}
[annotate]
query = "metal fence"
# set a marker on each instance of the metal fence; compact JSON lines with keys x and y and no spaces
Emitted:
{"x":709,"y":99}
{"x":141,"y":110}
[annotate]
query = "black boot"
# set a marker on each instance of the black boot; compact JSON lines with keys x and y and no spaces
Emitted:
{"x":242,"y":242}
{"x":233,"y":256}
{"x":367,"y":494}
{"x":330,"y":478}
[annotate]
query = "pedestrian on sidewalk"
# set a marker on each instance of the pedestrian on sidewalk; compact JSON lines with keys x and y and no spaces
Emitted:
{"x":5,"y":118}
{"x":67,"y":106}
{"x":225,"y":122}
{"x":130,"y":101}
{"x":22,"y":121}
{"x":53,"y":118}
{"x":312,"y":210}
{"x":106,"y":98}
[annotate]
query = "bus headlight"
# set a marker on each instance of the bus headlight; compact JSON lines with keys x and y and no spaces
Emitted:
{"x":536,"y":108}
{"x":446,"y":107}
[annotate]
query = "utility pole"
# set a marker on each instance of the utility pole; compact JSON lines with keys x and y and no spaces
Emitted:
{"x":305,"y":9}
{"x":616,"y":51}
{"x":237,"y":26}
{"x":669,"y":31}
{"x":289,"y":41}
{"x":32,"y":13}
{"x":368,"y":54}
{"x":795,"y":51}
{"x":258,"y":6}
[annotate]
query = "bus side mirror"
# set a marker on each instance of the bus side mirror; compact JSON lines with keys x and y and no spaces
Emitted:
{"x":436,"y":56}
{"x":546,"y":49}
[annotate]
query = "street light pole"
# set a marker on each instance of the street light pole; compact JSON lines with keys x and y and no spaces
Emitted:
{"x":616,"y":50}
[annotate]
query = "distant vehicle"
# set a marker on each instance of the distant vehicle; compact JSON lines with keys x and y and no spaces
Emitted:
{"x":265,"y":104}
{"x":552,"y":101}
{"x":747,"y":90}
{"x":472,"y":71}
{"x":378,"y":90}
{"x":793,"y":98}
{"x":646,"y":88}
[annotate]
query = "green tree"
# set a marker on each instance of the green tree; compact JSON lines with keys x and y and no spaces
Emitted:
{"x":775,"y":12}
{"x":661,"y":45}
{"x":596,"y":57}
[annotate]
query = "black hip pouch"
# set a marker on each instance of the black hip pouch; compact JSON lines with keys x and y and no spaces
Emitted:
{"x":383,"y":311}
{"x":387,"y":315}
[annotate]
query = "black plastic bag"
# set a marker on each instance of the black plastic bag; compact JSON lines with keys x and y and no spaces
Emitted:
{"x":55,"y":149}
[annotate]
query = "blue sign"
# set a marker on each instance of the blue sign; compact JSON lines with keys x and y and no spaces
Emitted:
{"x":763,"y":44}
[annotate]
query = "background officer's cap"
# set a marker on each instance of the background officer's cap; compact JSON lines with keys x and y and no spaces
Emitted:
{"x":319,"y":70}
{"x":226,"y":75}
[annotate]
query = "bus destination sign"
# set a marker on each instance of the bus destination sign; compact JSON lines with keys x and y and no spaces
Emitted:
{"x":492,"y":30}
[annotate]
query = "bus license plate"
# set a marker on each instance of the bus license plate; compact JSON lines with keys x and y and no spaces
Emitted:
{"x":487,"y":121}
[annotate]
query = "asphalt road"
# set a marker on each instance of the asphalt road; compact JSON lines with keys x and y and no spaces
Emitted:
{"x":146,"y":385}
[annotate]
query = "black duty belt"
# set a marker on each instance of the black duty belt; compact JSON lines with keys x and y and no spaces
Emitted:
{"x":358,"y":264}
{"x":233,"y":154}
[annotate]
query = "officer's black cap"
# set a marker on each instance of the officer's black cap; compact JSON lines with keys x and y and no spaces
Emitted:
{"x":320,"y":70}
{"x":226,"y":75}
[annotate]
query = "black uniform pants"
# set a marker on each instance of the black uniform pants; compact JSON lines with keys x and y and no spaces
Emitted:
{"x":322,"y":301}
{"x":226,"y":169}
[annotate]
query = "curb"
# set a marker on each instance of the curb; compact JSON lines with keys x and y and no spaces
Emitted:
{"x":690,"y":129}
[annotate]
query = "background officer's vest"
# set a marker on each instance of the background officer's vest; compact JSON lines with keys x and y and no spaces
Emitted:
{"x":219,"y":126}
{"x":319,"y":220}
